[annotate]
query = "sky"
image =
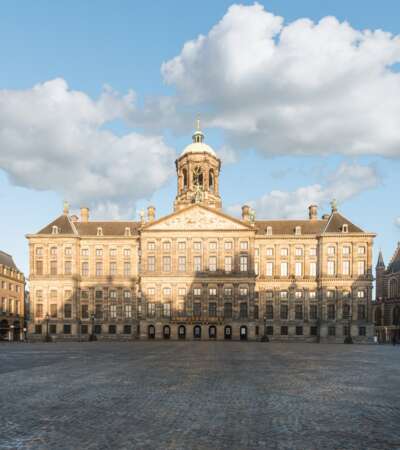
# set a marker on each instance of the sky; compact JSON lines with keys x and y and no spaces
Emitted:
{"x":301,"y":100}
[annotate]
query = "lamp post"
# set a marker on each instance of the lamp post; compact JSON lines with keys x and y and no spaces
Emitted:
{"x":348,"y":339}
{"x":47,"y":318}
{"x":11,"y":333}
{"x":92,"y":335}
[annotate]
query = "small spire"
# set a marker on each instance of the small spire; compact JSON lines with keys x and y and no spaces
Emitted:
{"x":198,"y":136}
{"x":334,"y":205}
{"x":66,"y":208}
{"x":380,"y":262}
{"x":198,"y":123}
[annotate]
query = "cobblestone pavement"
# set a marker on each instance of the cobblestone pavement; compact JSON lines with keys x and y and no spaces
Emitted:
{"x":199,"y":395}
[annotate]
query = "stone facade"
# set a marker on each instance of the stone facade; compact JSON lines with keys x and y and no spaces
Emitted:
{"x":12,"y":305}
{"x":199,"y":273}
{"x":387,"y":304}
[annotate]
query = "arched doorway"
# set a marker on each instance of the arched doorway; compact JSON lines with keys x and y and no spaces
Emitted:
{"x":16,"y":331}
{"x":166,"y":332}
{"x":228,"y":332}
{"x":151,"y":332}
{"x":243,"y":333}
{"x":4,"y":329}
{"x":181,"y":332}
{"x":197,"y":332}
{"x":212,"y":332}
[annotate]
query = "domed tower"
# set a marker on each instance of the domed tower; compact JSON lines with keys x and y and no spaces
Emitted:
{"x":198,"y":170}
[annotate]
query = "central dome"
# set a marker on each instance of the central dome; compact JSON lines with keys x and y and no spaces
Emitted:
{"x":198,"y":145}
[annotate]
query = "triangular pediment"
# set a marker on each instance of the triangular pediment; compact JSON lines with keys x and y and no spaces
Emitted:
{"x":198,"y":217}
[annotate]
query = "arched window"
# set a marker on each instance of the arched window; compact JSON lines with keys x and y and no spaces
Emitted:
{"x":243,"y":333}
{"x":212,"y":332}
{"x":166,"y":332}
{"x":228,"y":332}
{"x":211,"y":180}
{"x":396,"y":316}
{"x":393,"y":288}
{"x":197,"y":332}
{"x":151,"y":332}
{"x":185,"y":178}
{"x":181,"y":332}
{"x":197,"y":176}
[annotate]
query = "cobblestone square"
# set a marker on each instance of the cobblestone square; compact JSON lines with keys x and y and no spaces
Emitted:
{"x":199,"y":395}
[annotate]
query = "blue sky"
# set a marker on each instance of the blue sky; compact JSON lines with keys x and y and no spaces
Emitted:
{"x":123,"y":44}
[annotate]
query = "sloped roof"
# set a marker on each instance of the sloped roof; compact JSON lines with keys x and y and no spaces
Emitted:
{"x":110,"y":228}
{"x":7,"y":260}
{"x":336,"y":222}
{"x":62,"y":222}
{"x":289,"y":226}
{"x":394,"y":265}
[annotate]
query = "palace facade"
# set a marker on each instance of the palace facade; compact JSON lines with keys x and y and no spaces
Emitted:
{"x":200,"y":273}
{"x":387,"y":305}
{"x":12,"y":296}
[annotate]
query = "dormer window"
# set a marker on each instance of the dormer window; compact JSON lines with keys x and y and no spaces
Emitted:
{"x":54,"y":229}
{"x":297,"y":230}
{"x":269,"y":231}
{"x":127,"y":231}
{"x":99,"y":231}
{"x":345,"y":228}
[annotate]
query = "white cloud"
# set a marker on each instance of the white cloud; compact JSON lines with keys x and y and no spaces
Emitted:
{"x":345,"y":183}
{"x":299,"y":88}
{"x":397,"y":222}
{"x":54,"y":138}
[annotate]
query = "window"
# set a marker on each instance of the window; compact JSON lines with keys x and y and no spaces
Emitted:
{"x":330,"y":293}
{"x":255,"y":312}
{"x":212,"y":292}
{"x":97,"y":329}
{"x":38,"y":329}
{"x":243,"y":310}
{"x":313,"y":269}
{"x":166,"y":263}
{"x":85,"y":252}
{"x":39,"y":267}
{"x":297,"y":230}
{"x":53,"y":251}
{"x":313,"y":312}
{"x":269,"y":311}
{"x":361,"y":267}
{"x":113,"y":311}
{"x":99,"y":231}
{"x":113,"y":268}
{"x":346,"y":268}
{"x":39,"y":310}
{"x":212,"y":246}
{"x":345,"y":294}
{"x":127,"y":295}
{"x":167,"y":246}
{"x":284,"y":312}
{"x":151,"y":309}
{"x":228,"y":310}
{"x":166,"y":309}
{"x":361,"y":331}
{"x":331,"y":250}
{"x":167,"y":292}
{"x":331,"y":267}
{"x":182,"y":263}
{"x":284,"y":269}
{"x":284,"y":251}
{"x":181,"y":309}
{"x":212,"y":309}
{"x":113,"y":252}
{"x":127,"y":269}
{"x":197,"y":309}
{"x":361,"y":294}
{"x":331,"y":331}
{"x":284,"y":330}
{"x":151,"y":263}
{"x":98,"y":311}
{"x":298,"y":294}
{"x":228,"y":264}
{"x":127,"y":252}
{"x":151,"y":246}
{"x":151,"y":292}
{"x":346,"y":330}
{"x":270,"y":330}
{"x":68,"y":251}
{"x":243,"y":263}
{"x":53,"y":310}
{"x":298,"y":269}
{"x":228,"y":245}
{"x":314,"y":331}
{"x":331,"y":312}
{"x":99,"y":252}
{"x":99,"y":269}
{"x":243,"y":291}
{"x":212,"y":263}
{"x":270,"y":269}
{"x":113,"y":295}
{"x":39,"y":251}
{"x":269,"y":231}
{"x":53,"y":267}
{"x":299,"y":331}
{"x":67,"y":310}
{"x":228,"y":292}
{"x":361,"y":312}
{"x":361,"y":250}
{"x":67,"y":328}
{"x":127,"y":231}
{"x":299,"y":312}
{"x":181,"y":246}
{"x":197,"y":246}
{"x":244,"y":245}
{"x":313,"y":251}
{"x":346,"y":311}
{"x":346,"y":250}
{"x":85,"y":311}
{"x":85,"y":269}
{"x":112,"y":329}
{"x":197,"y":263}
{"x":127,"y":329}
{"x":182,"y":292}
{"x":283,"y":294}
{"x":197,"y":292}
{"x":67,"y":267}
{"x":299,"y":251}
{"x":270,"y":251}
{"x":99,"y":294}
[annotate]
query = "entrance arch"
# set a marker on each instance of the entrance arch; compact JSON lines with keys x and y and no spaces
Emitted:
{"x":151,"y":332}
{"x":243,"y":333}
{"x":197,"y":332}
{"x":212,"y":332}
{"x":228,"y":332}
{"x":182,"y":332}
{"x":166,"y":332}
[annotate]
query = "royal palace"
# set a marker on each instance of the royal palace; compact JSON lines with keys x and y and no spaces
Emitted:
{"x":199,"y":273}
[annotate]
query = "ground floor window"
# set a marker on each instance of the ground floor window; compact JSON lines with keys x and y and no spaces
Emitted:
{"x":299,"y":331}
{"x":127,"y":329}
{"x":166,"y":332}
{"x":197,"y":332}
{"x":112,"y":329}
{"x":67,"y":328}
{"x":38,"y":329}
{"x":314,"y":331}
{"x":331,"y":331}
{"x":97,"y":329}
{"x":212,"y":332}
{"x":270,"y":330}
{"x":346,"y":330}
{"x":84,"y":329}
{"x":181,"y":332}
{"x":52,"y":328}
{"x":284,"y":330}
{"x":243,"y":332}
{"x":151,"y":332}
{"x":228,"y":332}
{"x":362,"y":331}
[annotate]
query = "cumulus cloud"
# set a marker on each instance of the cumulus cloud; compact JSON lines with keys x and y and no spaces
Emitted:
{"x":55,"y":138}
{"x":345,"y":183}
{"x":298,"y":88}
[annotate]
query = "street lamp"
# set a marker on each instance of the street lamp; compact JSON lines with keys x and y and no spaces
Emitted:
{"x":348,"y":339}
{"x":47,"y":319}
{"x":11,"y":332}
{"x":92,"y":335}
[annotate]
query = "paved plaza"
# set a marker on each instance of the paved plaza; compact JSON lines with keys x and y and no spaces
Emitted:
{"x":199,"y":395}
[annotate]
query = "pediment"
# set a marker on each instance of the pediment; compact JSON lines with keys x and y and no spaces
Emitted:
{"x":197,"y":218}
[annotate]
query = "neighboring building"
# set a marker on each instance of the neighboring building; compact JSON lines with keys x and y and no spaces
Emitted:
{"x":12,"y":306}
{"x":199,"y":273}
{"x":387,"y":306}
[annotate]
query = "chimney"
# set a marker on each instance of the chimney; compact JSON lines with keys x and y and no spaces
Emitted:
{"x":313,"y":212}
{"x":84,"y":214}
{"x":246,"y":213}
{"x":325,"y":216}
{"x":151,"y":213}
{"x":66,"y":208}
